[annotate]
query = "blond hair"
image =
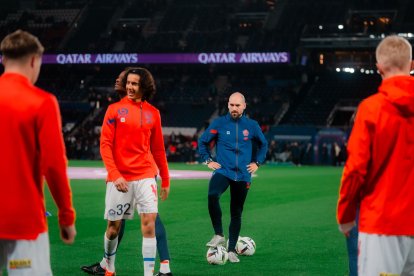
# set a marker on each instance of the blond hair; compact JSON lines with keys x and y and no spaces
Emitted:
{"x":20,"y":44}
{"x":394,"y":52}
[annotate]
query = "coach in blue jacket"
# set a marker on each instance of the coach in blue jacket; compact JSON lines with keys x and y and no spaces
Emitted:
{"x":234,"y":135}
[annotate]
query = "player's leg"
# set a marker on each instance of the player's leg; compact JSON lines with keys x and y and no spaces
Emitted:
{"x":118,"y":206}
{"x":162,"y":246}
{"x":382,"y":255}
{"x":98,"y":268}
{"x":121,"y":231}
{"x":29,"y":257}
{"x":4,"y":244}
{"x":147,"y":205}
{"x":111,"y":244}
{"x":238,"y":194}
{"x":217,"y":186}
{"x":352,"y":248}
{"x":409,"y":264}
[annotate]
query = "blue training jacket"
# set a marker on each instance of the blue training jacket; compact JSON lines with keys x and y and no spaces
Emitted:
{"x":234,"y":140}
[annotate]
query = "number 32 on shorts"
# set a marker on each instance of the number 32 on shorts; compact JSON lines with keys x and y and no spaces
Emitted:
{"x":123,"y":209}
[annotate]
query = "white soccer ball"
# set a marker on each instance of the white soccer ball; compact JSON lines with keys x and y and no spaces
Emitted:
{"x":217,"y":255}
{"x":245,"y":246}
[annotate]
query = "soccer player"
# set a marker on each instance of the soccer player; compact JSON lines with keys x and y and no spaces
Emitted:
{"x":98,"y":268}
{"x":131,"y":140}
{"x":32,"y":148}
{"x":234,"y":135}
{"x":379,"y":173}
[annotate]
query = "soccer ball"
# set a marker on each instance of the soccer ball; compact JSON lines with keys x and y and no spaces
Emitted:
{"x":245,"y":246}
{"x":217,"y":255}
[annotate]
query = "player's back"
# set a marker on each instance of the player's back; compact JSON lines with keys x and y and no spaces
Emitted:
{"x":23,"y":107}
{"x":388,"y":190}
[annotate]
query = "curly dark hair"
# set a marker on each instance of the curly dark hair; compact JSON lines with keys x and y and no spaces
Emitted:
{"x":146,"y":82}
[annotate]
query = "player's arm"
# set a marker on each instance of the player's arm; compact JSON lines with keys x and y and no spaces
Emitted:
{"x":204,"y":141}
{"x":107,"y":143}
{"x":262,"y":146}
{"x":359,"y":156}
{"x":159,"y":155}
{"x":204,"y":144}
{"x":54,"y":164}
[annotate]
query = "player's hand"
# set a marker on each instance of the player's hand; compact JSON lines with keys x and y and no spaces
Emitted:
{"x":164,"y":193}
{"x":214,"y":165}
{"x":121,"y":185}
{"x":346,"y":227}
{"x":252,"y":167}
{"x":67,"y":234}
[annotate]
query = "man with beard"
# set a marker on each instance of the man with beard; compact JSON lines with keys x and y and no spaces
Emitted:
{"x":234,"y":135}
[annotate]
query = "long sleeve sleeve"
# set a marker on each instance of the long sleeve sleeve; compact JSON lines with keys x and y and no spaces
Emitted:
{"x":204,"y":141}
{"x":107,"y":144}
{"x":53,"y":161}
{"x":158,"y":152}
{"x":262,"y":144}
{"x":355,"y":171}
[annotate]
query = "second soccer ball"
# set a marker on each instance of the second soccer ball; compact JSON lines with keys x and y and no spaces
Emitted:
{"x":245,"y":246}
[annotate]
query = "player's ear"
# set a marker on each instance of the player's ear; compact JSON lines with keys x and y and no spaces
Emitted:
{"x":32,"y":61}
{"x":380,"y":69}
{"x":412,"y":66}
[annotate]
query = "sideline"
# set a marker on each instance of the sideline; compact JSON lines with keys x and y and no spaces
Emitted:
{"x":100,"y":173}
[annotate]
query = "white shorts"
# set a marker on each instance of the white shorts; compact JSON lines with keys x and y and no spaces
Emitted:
{"x":385,"y":255}
{"x":141,"y":195}
{"x":26,"y":257}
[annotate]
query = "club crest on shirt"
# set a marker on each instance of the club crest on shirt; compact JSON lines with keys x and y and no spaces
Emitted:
{"x":122,"y":114}
{"x":246,"y":135}
{"x":228,"y":132}
{"x":148,"y":118}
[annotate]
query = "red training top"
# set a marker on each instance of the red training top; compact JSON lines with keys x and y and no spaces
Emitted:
{"x":32,"y":147}
{"x":131,"y":140}
{"x":379,"y":172}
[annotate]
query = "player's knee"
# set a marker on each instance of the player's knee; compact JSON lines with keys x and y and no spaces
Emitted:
{"x":148,"y":229}
{"x":213,"y":196}
{"x":111,"y":233}
{"x":236,"y":214}
{"x":148,"y":225}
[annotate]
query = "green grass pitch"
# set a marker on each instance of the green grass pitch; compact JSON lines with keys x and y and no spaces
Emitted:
{"x":289,"y":212}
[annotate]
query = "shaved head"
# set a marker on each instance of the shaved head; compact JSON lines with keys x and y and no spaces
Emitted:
{"x":237,"y":96}
{"x":236,"y":105}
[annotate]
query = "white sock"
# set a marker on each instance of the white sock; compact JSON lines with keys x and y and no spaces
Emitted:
{"x":165,"y":266}
{"x":149,"y":251}
{"x":103,"y":263}
{"x":110,"y":253}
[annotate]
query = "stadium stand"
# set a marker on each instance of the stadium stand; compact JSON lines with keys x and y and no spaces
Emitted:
{"x":307,"y":93}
